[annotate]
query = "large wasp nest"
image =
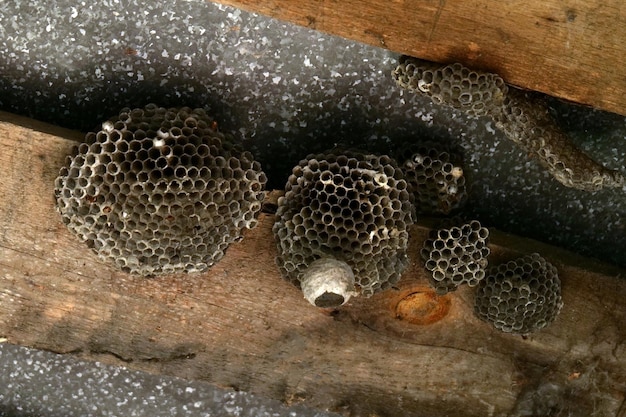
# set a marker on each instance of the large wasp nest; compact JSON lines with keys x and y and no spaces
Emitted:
{"x":520,"y":296}
{"x":523,"y":117}
{"x":456,"y":255}
{"x":159,"y":191}
{"x":345,"y":216}
{"x":435,"y":178}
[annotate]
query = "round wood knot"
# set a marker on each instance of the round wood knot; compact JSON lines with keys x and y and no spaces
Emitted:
{"x":422,"y":307}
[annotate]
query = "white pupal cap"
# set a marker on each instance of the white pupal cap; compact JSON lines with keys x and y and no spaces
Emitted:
{"x":328,"y":283}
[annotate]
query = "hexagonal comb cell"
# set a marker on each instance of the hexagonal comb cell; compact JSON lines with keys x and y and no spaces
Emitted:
{"x":350,"y":207}
{"x":456,"y":255}
{"x":474,"y":92}
{"x":520,"y":296}
{"x":159,"y":191}
{"x":435,"y":178}
{"x":526,"y":120}
{"x":524,"y":117}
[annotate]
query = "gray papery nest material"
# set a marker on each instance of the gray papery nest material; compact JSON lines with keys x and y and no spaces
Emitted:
{"x":350,"y":207}
{"x":456,"y":255}
{"x":520,"y":296}
{"x":159,"y":191}
{"x":524,"y":118}
{"x":435,"y":179}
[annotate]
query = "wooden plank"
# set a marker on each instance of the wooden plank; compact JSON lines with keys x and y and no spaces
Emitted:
{"x":575,"y":49}
{"x":240,"y":325}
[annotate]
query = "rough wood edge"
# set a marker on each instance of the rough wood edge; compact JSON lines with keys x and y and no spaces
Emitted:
{"x":572,"y":50}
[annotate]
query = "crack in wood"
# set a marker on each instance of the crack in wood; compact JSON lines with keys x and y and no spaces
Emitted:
{"x":442,"y":4}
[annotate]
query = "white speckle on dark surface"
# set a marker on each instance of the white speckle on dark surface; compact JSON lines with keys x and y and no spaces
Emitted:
{"x":37,"y":383}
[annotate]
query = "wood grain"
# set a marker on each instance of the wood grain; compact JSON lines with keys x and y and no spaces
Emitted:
{"x":240,"y":325}
{"x":574,"y":50}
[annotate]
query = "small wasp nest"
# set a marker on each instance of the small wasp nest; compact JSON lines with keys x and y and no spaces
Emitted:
{"x":523,"y":117}
{"x":520,"y":296}
{"x":456,"y":255}
{"x":476,"y":93}
{"x":526,"y":120}
{"x":436,"y":180}
{"x":352,"y":211}
{"x":159,"y":191}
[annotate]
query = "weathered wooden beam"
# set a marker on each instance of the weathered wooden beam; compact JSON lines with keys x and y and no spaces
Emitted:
{"x":575,"y":50}
{"x":241,"y":325}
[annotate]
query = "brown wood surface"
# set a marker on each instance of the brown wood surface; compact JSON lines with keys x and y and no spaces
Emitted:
{"x":404,"y":352}
{"x":573,"y":49}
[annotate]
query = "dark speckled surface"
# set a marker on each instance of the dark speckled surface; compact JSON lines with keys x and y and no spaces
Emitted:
{"x":35,"y":383}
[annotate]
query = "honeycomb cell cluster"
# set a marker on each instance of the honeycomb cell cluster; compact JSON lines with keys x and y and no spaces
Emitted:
{"x":526,"y":120}
{"x":523,"y":117}
{"x":159,"y":191}
{"x":436,"y":180}
{"x":456,"y":255}
{"x":474,"y":92}
{"x":348,"y":206}
{"x":520,"y":296}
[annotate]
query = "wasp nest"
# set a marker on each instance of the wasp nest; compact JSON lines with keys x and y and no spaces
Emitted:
{"x":526,"y":120}
{"x":456,"y":255}
{"x":523,"y":117}
{"x":436,"y":180}
{"x":352,"y":209}
{"x":159,"y":191}
{"x":520,"y":296}
{"x":476,"y":93}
